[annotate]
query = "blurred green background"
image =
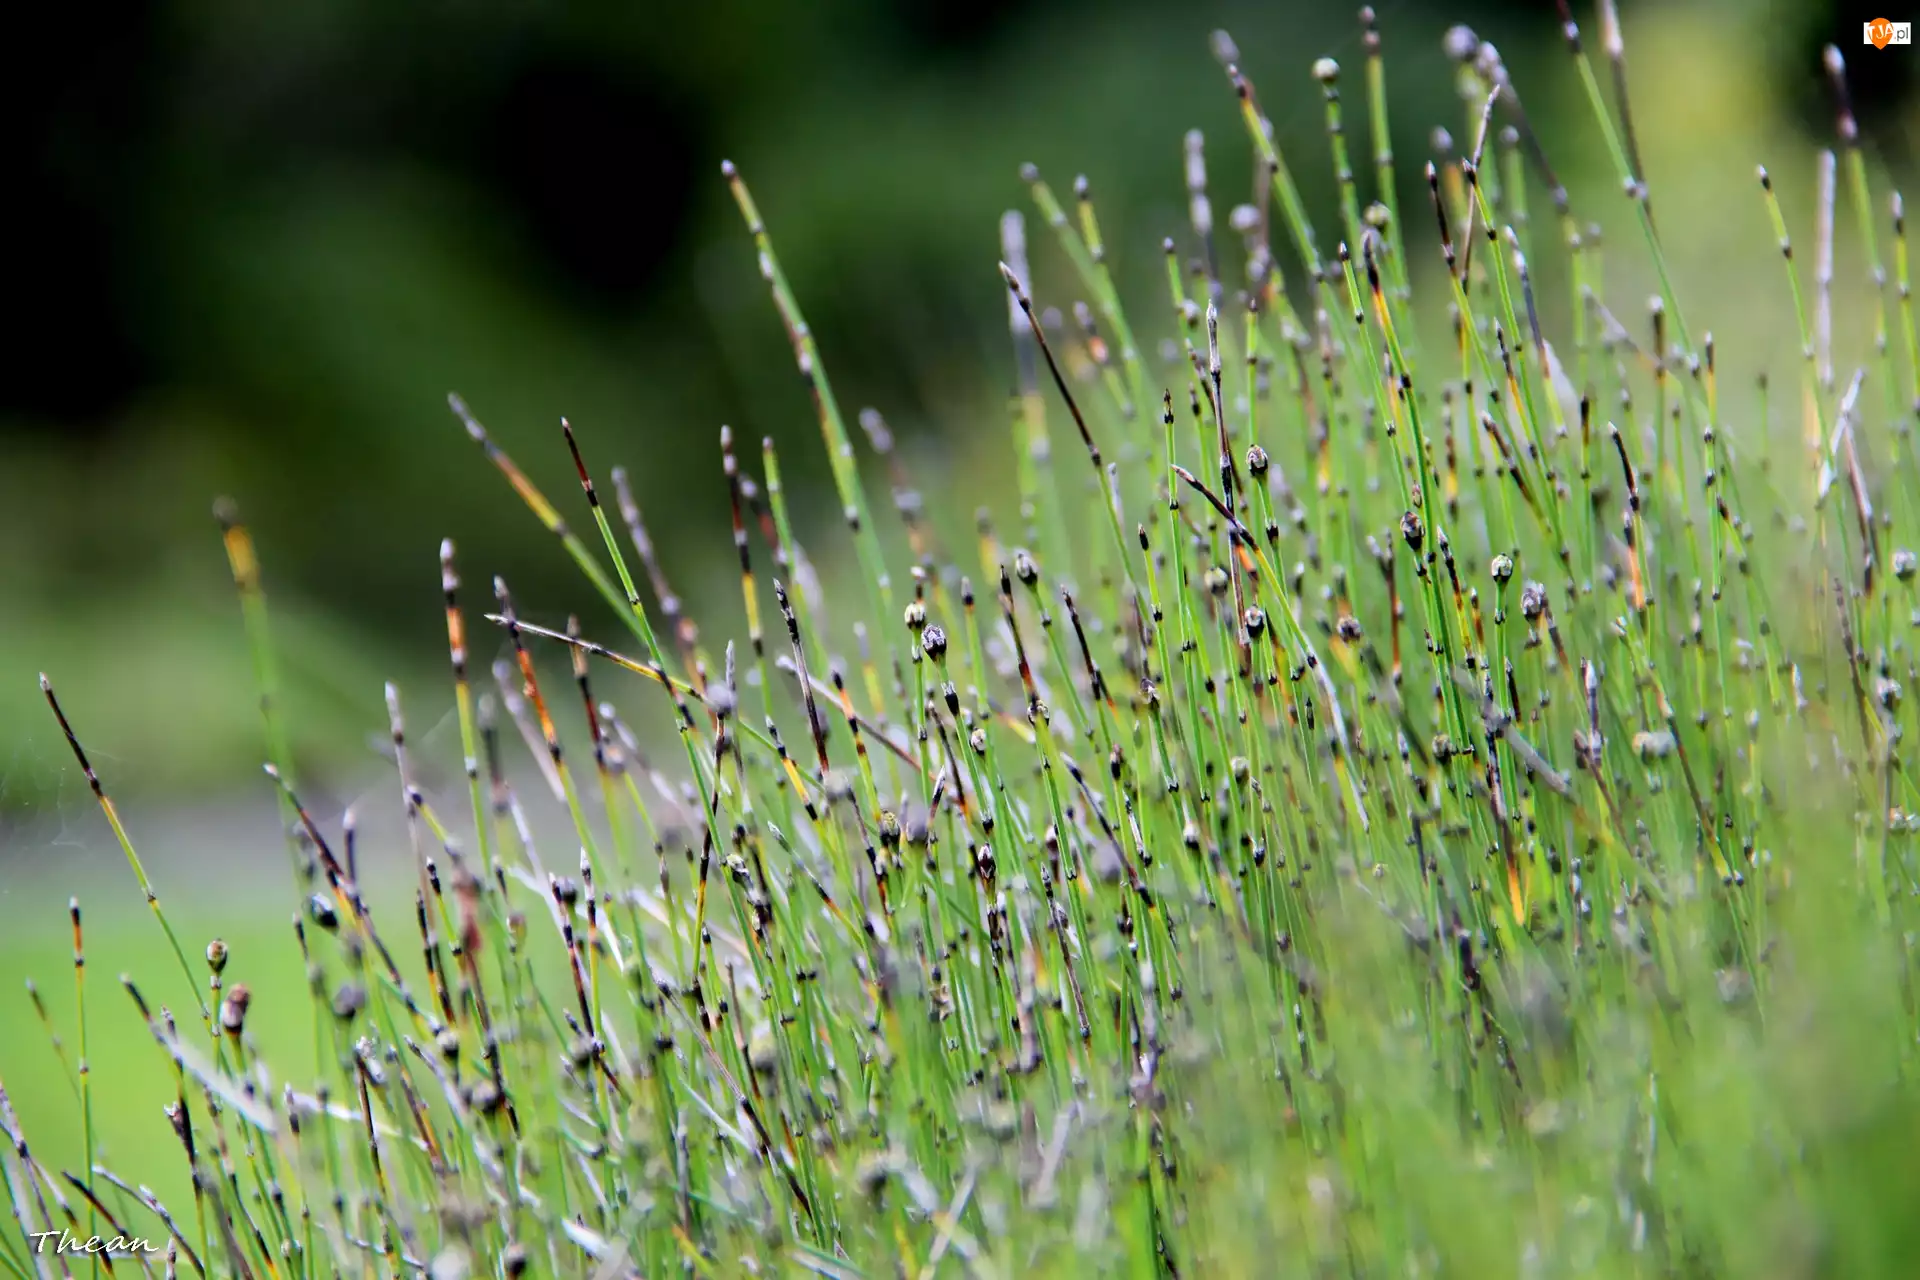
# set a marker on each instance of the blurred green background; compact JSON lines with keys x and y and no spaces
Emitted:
{"x":253,"y":246}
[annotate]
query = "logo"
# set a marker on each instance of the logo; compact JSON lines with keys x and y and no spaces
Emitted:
{"x":1880,"y":33}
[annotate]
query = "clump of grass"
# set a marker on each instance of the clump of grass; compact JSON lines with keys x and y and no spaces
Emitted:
{"x":1380,"y":806}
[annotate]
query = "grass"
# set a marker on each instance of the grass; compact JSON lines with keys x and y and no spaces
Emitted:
{"x":1416,"y":788}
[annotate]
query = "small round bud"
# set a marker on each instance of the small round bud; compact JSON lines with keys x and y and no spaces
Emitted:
{"x":322,"y":913}
{"x":348,"y":1001}
{"x":233,"y":1010}
{"x":1461,"y":43}
{"x":1257,"y":461}
{"x":934,"y":641}
{"x":1887,"y":692}
{"x":1348,"y":628}
{"x":1905,"y":563}
{"x":1533,"y":601}
{"x":486,"y":1097}
{"x":367,"y":1050}
{"x":1241,"y":768}
{"x":1326,"y":70}
{"x":513,"y":1260}
{"x":1413,"y":529}
{"x":566,"y":891}
{"x":1653,"y":744}
{"x":978,"y":741}
{"x":216,"y":955}
{"x":1256,"y":620}
{"x":916,"y":616}
{"x":581,"y":1052}
{"x":1025,"y":569}
{"x":1501,"y":569}
{"x":448,"y":1043}
{"x":1216,"y":580}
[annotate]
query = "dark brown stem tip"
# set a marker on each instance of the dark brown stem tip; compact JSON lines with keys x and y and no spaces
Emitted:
{"x":46,"y":685}
{"x":1013,"y":281}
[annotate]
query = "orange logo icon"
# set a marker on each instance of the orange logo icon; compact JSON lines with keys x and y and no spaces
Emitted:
{"x":1880,"y":32}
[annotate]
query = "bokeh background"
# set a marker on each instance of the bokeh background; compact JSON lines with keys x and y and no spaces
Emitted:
{"x":251,"y":247}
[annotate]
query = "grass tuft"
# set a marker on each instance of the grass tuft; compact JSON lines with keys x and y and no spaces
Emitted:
{"x":1426,"y":798}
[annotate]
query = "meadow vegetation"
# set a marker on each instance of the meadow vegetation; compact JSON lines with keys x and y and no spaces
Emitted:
{"x":1415,"y":788}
